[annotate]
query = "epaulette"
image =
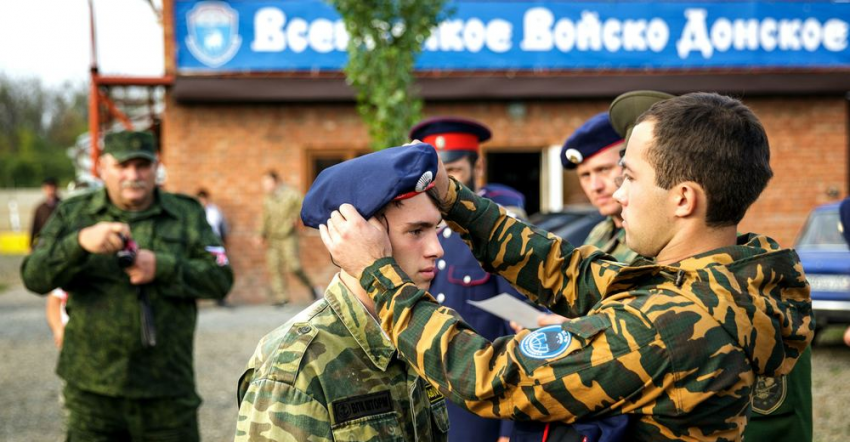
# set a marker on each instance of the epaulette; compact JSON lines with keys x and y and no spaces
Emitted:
{"x":286,"y":359}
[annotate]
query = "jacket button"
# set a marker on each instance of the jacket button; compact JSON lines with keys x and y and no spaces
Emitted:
{"x":441,"y":264}
{"x":467,"y":279}
{"x":304,"y":330}
{"x":447,"y":232}
{"x":441,"y":297}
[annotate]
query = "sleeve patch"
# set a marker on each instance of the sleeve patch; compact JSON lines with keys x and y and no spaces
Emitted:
{"x":546,"y":343}
{"x":219,"y":254}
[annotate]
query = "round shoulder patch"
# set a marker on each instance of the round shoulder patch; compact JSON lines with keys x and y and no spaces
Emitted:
{"x":769,"y":394}
{"x":546,"y":343}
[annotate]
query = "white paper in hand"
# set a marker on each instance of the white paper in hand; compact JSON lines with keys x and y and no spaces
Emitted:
{"x":510,"y":308}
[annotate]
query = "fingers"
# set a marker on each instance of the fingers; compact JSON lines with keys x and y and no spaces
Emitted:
{"x":378,"y":224}
{"x":349,"y":213}
{"x":326,"y":237}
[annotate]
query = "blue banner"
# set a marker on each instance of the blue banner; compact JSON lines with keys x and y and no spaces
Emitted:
{"x":309,"y":35}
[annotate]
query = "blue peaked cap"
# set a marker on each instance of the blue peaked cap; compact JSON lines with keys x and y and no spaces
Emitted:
{"x":370,"y":182}
{"x":503,"y":195}
{"x":594,"y":136}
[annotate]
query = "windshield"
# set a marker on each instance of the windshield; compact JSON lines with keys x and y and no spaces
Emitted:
{"x":822,"y":231}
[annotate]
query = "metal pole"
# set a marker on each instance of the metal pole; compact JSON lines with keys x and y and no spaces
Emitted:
{"x":94,"y":99}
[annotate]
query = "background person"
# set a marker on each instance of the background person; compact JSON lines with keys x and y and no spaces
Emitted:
{"x":121,"y":384}
{"x":45,"y":209}
{"x":306,"y":378}
{"x":460,"y":277}
{"x":215,"y":218}
{"x":279,"y":233}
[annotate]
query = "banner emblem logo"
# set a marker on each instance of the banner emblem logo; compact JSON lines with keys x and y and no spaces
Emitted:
{"x":213,"y":33}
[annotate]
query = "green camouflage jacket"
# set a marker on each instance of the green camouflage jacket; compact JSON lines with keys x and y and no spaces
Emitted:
{"x":611,"y":239}
{"x":102,"y":350}
{"x":281,"y":210}
{"x":331,"y":374}
{"x":678,"y":347}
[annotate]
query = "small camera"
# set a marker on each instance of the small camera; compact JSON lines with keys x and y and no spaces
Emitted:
{"x":127,"y":255}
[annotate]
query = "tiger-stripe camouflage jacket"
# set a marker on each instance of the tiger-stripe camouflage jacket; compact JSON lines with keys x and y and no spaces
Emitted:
{"x":677,"y":346}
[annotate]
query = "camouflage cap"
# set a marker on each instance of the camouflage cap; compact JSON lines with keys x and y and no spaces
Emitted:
{"x":626,"y":109}
{"x":127,"y":145}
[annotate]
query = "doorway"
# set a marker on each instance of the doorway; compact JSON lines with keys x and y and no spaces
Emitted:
{"x":520,"y":170}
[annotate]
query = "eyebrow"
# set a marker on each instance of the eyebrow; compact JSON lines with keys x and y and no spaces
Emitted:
{"x":622,"y":163}
{"x":422,"y":224}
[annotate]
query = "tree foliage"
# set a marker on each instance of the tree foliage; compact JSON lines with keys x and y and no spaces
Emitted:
{"x":385,"y":36}
{"x":37,"y":125}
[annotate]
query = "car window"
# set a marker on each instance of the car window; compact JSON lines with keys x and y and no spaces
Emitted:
{"x":822,"y":231}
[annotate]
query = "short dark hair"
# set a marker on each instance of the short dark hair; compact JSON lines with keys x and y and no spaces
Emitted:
{"x":49,"y":181}
{"x":202,"y":193}
{"x":273,"y":175}
{"x":715,"y":141}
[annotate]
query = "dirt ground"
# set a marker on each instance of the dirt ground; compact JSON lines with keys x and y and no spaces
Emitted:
{"x":226,"y":337}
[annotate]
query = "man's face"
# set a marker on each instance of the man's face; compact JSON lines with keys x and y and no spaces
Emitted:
{"x":269,"y":184}
{"x":597,"y":176}
{"x":647,"y":209}
{"x":129,"y":184}
{"x":464,"y":171}
{"x":413,"y":235}
{"x":49,"y":191}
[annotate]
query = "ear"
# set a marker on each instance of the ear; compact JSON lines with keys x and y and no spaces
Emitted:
{"x":688,"y":198}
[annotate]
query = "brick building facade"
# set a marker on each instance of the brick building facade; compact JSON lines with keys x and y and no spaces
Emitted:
{"x":221,"y":131}
{"x":226,"y":147}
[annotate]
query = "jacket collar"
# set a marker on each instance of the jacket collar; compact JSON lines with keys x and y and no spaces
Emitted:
{"x":362,"y":326}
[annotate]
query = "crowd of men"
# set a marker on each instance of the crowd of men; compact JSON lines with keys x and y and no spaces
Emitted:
{"x":666,"y":325}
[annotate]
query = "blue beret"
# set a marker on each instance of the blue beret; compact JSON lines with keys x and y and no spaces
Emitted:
{"x":454,"y":137}
{"x":591,"y":138}
{"x":503,"y":195}
{"x":370,"y":182}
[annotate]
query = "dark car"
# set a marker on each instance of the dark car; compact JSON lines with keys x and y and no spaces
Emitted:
{"x":826,"y":262}
{"x":573,"y":224}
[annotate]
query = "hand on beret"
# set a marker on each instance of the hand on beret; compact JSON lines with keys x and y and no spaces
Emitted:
{"x":353,"y":242}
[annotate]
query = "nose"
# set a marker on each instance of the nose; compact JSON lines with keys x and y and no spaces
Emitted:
{"x":620,"y":194}
{"x":596,"y":182}
{"x":434,"y":249}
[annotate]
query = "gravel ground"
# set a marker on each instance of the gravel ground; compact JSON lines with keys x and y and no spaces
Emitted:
{"x":226,"y":337}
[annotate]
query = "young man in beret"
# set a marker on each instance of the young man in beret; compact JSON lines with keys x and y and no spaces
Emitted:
{"x":676,"y":343}
{"x":330,"y":373}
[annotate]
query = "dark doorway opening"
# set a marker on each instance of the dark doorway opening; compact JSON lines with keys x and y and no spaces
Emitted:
{"x":520,"y":170}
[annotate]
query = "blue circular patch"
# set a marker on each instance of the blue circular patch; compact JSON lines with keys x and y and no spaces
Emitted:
{"x":546,"y":343}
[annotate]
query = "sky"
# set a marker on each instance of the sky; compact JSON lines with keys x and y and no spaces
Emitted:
{"x":50,"y":39}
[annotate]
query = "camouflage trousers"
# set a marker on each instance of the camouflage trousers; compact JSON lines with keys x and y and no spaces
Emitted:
{"x":283,"y":258}
{"x":94,"y":418}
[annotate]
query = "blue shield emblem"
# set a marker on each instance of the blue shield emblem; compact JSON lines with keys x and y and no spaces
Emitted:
{"x":546,"y":343}
{"x":213,"y":33}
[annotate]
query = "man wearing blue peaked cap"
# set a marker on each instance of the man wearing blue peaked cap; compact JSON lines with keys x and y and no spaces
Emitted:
{"x":338,"y":336}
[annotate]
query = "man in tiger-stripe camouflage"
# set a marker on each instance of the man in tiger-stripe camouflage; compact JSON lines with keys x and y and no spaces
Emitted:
{"x":675,"y":343}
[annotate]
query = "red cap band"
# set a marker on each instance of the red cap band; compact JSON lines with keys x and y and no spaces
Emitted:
{"x":407,"y":195}
{"x":453,"y":141}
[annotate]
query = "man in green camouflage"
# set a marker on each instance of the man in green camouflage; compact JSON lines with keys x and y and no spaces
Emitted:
{"x":279,"y":231}
{"x":676,"y":343}
{"x":330,"y":373}
{"x":127,"y":352}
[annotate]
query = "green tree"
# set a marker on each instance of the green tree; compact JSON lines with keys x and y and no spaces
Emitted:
{"x":385,"y":36}
{"x":37,"y":125}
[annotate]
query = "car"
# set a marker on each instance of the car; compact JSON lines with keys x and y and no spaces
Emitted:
{"x":825,"y":256}
{"x":572,"y":224}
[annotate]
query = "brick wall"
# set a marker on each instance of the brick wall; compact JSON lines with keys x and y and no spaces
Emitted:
{"x":226,"y":147}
